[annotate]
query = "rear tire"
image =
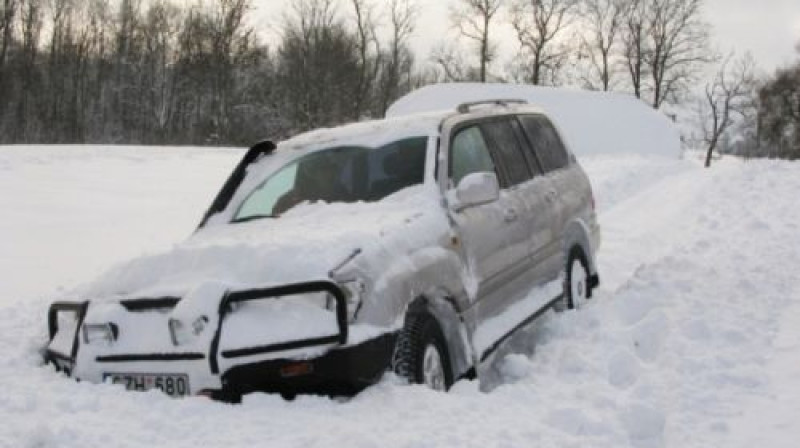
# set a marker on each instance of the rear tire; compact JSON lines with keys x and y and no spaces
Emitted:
{"x":577,"y":289}
{"x":421,"y":353}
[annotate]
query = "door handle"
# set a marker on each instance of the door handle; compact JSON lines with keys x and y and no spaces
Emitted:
{"x":510,"y":215}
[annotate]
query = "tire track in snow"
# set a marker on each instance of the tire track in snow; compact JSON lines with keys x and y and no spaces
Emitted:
{"x":672,"y":348}
{"x":647,"y":225}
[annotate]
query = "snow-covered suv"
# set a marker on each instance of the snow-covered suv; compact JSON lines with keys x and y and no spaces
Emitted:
{"x":416,"y":244}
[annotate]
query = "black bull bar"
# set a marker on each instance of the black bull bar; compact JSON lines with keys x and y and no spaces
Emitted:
{"x":230,"y":298}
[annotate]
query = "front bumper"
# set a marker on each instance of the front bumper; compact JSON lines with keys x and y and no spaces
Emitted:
{"x":293,"y":366}
{"x":342,"y":371}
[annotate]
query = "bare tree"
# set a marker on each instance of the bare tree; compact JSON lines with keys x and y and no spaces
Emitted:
{"x":127,"y":70}
{"x":634,"y":45}
{"x":233,"y":39}
{"x":31,"y":22}
{"x":9,"y":9}
{"x":604,"y":21}
{"x":779,"y":114}
{"x":316,"y":60}
{"x":94,"y":87}
{"x":473,"y":18}
{"x":7,"y":13}
{"x":161,"y":29}
{"x":537,"y":24}
{"x":451,"y":65}
{"x":678,"y":45}
{"x":368,"y":49}
{"x":729,"y":94}
{"x":59,"y":72}
{"x":399,"y":60}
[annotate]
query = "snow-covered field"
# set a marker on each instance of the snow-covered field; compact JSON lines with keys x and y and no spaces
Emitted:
{"x":693,"y":339}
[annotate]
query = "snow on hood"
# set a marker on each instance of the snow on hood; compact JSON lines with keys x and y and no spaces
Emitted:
{"x":302,"y":245}
{"x":591,"y":122}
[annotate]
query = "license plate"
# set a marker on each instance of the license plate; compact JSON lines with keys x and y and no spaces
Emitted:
{"x":174,"y":385}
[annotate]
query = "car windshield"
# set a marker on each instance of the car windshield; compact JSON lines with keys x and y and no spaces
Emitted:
{"x":338,"y":174}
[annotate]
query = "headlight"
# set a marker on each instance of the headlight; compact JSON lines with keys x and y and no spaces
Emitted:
{"x":100,"y":333}
{"x":181,"y":334}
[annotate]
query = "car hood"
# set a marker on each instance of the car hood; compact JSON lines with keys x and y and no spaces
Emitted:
{"x":304,"y":244}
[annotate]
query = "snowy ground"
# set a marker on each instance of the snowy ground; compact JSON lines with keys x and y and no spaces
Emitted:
{"x":693,"y":339}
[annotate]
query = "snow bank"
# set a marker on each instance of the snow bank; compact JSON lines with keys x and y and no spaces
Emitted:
{"x":695,"y":344}
{"x":70,"y":212}
{"x":592,"y":122}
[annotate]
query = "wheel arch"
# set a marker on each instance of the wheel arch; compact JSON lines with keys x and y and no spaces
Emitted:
{"x":577,"y":234}
{"x":445,"y":311}
{"x":431,"y":280}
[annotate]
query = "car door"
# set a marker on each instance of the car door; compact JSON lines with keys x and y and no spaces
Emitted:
{"x":516,"y":272}
{"x":488,"y":234}
{"x":574,"y":192}
{"x":533,"y":237}
{"x":515,"y":182}
{"x":546,"y":146}
{"x":480,"y":228}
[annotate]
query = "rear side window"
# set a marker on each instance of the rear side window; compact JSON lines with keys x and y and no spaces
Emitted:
{"x":507,"y":146}
{"x":395,"y":166}
{"x":470,"y":154}
{"x":545,"y":141}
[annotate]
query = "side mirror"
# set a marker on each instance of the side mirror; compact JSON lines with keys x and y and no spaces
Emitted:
{"x":476,"y":189}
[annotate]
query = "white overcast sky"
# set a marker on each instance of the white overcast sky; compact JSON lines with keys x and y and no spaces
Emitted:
{"x":769,"y":29}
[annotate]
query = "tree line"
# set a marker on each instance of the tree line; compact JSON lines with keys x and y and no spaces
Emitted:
{"x":200,"y":72}
{"x":653,"y":49}
{"x":163,"y":72}
{"x":777,"y":126}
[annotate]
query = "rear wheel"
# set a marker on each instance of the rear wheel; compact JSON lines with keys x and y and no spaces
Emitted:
{"x":421,"y":353}
{"x":577,"y":289}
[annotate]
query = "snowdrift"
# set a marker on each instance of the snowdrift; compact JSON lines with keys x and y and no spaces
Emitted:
{"x":691,"y":341}
{"x":592,"y":122}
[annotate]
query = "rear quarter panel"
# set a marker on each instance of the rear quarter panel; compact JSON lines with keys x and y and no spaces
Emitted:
{"x":580,"y":228}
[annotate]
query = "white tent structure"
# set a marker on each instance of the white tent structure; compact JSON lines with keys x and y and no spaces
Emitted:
{"x":592,"y":122}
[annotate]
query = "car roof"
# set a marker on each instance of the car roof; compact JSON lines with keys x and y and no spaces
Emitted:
{"x":377,"y":132}
{"x":368,"y":133}
{"x":472,"y":111}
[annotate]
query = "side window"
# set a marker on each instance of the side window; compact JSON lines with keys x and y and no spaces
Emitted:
{"x":545,"y":141}
{"x":395,"y":166}
{"x":469,"y":154}
{"x":507,"y":146}
{"x":530,"y":155}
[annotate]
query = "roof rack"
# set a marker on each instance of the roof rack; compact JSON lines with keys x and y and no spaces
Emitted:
{"x":465,"y":107}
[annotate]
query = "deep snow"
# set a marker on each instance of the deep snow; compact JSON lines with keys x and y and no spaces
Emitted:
{"x":691,"y":341}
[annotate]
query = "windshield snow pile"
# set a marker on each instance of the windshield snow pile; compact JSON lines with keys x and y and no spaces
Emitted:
{"x":302,"y":245}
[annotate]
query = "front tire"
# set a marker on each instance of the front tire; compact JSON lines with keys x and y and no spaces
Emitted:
{"x":577,"y":285}
{"x":421,"y":353}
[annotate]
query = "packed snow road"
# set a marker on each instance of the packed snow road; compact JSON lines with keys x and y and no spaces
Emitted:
{"x":691,"y":340}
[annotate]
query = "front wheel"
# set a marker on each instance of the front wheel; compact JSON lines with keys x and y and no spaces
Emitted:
{"x":577,"y":288}
{"x":421,"y":353}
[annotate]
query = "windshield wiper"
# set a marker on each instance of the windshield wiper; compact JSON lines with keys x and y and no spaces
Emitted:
{"x":254,"y":217}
